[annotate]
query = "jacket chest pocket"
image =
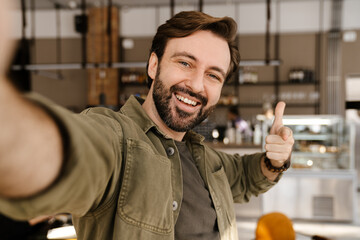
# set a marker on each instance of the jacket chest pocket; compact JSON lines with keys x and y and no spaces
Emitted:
{"x":145,"y":198}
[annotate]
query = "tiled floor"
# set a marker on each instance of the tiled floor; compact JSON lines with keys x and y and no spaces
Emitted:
{"x":304,"y":230}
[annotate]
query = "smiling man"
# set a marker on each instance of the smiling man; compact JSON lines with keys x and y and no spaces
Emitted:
{"x":140,"y":173}
{"x":188,"y":81}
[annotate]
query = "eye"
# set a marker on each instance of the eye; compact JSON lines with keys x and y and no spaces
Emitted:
{"x":185,"y":64}
{"x":216,"y":77}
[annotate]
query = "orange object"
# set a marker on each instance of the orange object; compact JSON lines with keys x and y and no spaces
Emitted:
{"x":274,"y":226}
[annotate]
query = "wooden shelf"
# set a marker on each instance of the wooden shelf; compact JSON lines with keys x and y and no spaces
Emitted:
{"x":133,"y":84}
{"x":302,"y":104}
{"x":297,"y":83}
{"x":273,"y":84}
{"x":259,"y":62}
{"x":258,"y":84}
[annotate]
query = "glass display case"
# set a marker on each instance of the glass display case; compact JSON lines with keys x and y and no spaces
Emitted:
{"x":322,"y":182}
{"x":322,"y":142}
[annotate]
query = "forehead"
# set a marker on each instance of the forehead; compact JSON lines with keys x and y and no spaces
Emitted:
{"x":205,"y":46}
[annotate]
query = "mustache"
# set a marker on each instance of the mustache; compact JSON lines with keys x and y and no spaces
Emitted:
{"x":203,"y":100}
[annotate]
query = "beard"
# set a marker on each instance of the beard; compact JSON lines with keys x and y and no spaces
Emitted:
{"x":175,"y":118}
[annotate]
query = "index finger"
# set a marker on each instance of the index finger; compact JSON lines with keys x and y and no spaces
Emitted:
{"x":279,"y":113}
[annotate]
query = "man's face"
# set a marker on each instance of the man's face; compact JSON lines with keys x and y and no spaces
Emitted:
{"x":188,"y":80}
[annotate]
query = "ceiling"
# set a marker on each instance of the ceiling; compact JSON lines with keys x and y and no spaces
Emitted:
{"x":50,"y":4}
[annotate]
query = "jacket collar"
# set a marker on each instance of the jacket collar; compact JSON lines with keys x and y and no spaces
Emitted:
{"x":193,"y":137}
{"x":133,"y":109}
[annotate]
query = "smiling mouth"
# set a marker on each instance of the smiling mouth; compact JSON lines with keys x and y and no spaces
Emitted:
{"x":186,"y":100}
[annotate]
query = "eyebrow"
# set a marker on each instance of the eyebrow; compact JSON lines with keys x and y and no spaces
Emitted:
{"x":188,"y":55}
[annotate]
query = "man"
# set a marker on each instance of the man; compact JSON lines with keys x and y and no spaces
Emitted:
{"x":139,"y":173}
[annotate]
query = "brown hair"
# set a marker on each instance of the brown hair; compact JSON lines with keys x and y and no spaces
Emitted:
{"x":185,"y":23}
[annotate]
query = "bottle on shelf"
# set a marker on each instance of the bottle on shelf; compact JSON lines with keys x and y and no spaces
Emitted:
{"x":248,"y":75}
{"x":230,"y":134}
{"x":257,"y":135}
{"x":301,"y":75}
{"x":133,"y":77}
{"x":238,"y":136}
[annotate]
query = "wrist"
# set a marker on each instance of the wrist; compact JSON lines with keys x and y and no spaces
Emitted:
{"x":276,"y":169}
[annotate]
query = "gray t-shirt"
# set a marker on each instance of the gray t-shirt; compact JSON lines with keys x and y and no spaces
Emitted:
{"x":197,"y":218}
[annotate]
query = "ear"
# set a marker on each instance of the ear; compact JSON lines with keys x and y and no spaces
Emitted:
{"x":153,"y":65}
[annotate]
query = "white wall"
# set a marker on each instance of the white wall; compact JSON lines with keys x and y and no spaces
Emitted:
{"x":287,"y":16}
{"x":139,"y":21}
{"x":351,"y":14}
{"x":45,"y":24}
{"x":295,"y":17}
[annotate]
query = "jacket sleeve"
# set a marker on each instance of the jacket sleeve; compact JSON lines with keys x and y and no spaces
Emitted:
{"x":244,"y":175}
{"x":92,"y":155}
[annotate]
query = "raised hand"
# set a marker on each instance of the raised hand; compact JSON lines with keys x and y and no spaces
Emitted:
{"x":280,"y":140}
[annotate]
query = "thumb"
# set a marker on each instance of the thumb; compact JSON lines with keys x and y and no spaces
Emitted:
{"x":284,"y":133}
{"x":278,"y":123}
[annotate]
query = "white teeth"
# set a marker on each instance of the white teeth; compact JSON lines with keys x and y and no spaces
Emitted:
{"x":186,"y":100}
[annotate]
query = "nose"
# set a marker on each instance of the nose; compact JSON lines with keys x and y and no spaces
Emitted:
{"x":196,"y":82}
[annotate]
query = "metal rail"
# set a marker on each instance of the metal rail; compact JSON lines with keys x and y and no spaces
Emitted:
{"x":119,"y":65}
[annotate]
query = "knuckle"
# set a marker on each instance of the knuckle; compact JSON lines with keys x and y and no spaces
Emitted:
{"x":290,"y":141}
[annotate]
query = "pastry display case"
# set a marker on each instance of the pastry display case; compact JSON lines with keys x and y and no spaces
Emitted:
{"x":321,"y":183}
{"x":322,"y":142}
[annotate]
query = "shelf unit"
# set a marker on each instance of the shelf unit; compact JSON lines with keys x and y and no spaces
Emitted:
{"x":271,"y":80}
{"x":298,"y":50}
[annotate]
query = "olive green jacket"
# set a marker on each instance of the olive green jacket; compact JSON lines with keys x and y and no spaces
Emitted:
{"x":121,"y":177}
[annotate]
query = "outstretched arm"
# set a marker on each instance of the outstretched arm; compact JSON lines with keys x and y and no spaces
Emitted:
{"x":30,"y":142}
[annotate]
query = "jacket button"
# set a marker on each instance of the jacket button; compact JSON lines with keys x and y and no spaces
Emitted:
{"x":170,"y":151}
{"x":175,"y":205}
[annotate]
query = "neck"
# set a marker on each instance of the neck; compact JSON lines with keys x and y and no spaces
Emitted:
{"x":150,"y":109}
